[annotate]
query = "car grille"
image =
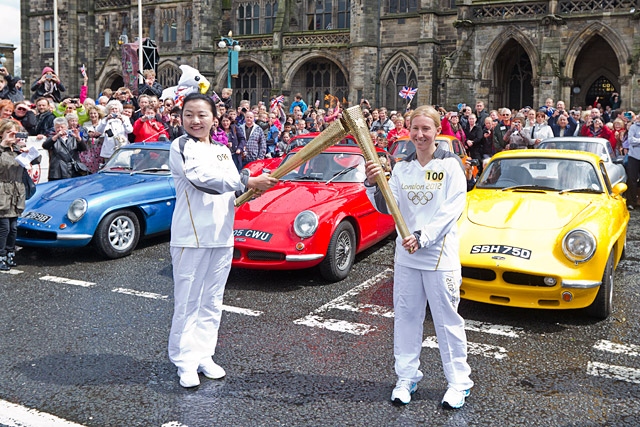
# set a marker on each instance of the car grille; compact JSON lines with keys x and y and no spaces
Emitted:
{"x":483,"y":274}
{"x":36,"y":234}
{"x":265,"y":256}
{"x":487,"y":275}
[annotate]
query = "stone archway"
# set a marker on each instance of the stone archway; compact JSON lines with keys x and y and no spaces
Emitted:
{"x":319,"y":77}
{"x":399,"y":71}
{"x":500,"y":62}
{"x":513,"y":75}
{"x":596,"y":73}
{"x":253,"y":84}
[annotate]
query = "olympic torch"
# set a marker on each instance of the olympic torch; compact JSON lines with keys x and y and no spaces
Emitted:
{"x":330,"y":136}
{"x":357,"y":126}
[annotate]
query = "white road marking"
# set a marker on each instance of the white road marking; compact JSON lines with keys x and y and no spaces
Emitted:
{"x":335,"y":325}
{"x":611,"y":347}
{"x":133,"y":292}
{"x":313,"y":319}
{"x":615,"y":372}
{"x":374,"y":310}
{"x":489,"y":328}
{"x":479,"y":349}
{"x":238,"y":310}
{"x":13,"y":415}
{"x":173,"y":424}
{"x":12,"y":271}
{"x":67,"y":281}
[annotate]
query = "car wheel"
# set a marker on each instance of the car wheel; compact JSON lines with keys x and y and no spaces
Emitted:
{"x":117,"y":234}
{"x":602,"y":306}
{"x":340,"y":254}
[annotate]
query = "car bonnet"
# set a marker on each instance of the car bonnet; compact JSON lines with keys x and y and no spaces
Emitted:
{"x":525,"y":210}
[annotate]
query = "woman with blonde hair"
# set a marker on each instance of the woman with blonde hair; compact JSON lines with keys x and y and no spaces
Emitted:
{"x":427,"y":265}
{"x":91,"y":157}
{"x":12,"y":192}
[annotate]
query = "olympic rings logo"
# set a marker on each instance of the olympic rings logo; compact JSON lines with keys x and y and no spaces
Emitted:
{"x":420,"y":197}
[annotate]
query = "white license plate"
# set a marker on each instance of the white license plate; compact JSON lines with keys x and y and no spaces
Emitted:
{"x":37,"y":216}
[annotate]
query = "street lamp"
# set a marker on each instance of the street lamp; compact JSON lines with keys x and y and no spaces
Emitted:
{"x":233,"y":46}
{"x":3,"y":60}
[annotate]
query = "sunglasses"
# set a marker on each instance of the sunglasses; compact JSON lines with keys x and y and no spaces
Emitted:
{"x":22,"y":109}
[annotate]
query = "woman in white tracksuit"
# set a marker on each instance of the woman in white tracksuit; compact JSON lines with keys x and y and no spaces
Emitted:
{"x":430,"y":189}
{"x":206,"y":180}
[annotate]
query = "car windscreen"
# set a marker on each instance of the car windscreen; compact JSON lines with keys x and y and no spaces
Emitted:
{"x":334,"y":167}
{"x":589,"y":146}
{"x":548,"y":174}
{"x":139,"y":160}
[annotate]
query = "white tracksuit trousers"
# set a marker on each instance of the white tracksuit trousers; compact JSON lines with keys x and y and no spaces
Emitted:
{"x":199,"y":276}
{"x":412,"y":290}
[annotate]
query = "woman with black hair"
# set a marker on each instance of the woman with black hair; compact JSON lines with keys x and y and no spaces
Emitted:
{"x":206,"y":181}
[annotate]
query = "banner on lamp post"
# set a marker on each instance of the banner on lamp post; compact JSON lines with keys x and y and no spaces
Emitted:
{"x":130,"y":66}
{"x":233,"y":63}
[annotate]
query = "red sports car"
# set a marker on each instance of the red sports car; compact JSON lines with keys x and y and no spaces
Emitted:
{"x":317,"y":215}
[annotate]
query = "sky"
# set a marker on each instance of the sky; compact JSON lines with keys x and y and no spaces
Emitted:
{"x":10,"y":12}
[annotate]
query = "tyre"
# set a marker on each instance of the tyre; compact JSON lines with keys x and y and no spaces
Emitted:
{"x":602,"y":306}
{"x":340,"y":254}
{"x":117,"y":234}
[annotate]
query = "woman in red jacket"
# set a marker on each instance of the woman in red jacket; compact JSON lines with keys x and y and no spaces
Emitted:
{"x":147,"y":128}
{"x":596,"y":128}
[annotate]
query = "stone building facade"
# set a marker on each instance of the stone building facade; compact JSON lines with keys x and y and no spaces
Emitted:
{"x":509,"y":53}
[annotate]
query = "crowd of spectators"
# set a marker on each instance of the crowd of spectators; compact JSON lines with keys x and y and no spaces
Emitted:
{"x":96,"y":127}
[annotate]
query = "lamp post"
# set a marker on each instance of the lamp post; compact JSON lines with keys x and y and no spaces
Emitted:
{"x":233,"y":47}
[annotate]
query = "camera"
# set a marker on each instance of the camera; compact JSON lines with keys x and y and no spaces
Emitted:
{"x":244,"y":110}
{"x":113,"y":115}
{"x":474,"y":162}
{"x":627,"y":115}
{"x":22,"y":135}
{"x":48,"y":76}
{"x":109,"y":133}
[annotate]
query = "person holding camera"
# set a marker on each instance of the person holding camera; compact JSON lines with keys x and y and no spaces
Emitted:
{"x":150,"y":85}
{"x":47,"y":85}
{"x":71,"y":105}
{"x":115,"y":126}
{"x":8,"y":86}
{"x":12,"y":191}
{"x":514,"y":138}
{"x":147,"y":128}
{"x":64,"y":146}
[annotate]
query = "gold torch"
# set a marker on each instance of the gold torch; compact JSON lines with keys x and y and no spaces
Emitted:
{"x":330,"y":136}
{"x":357,"y":126}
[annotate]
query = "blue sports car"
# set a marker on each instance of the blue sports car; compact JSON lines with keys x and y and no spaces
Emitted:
{"x":132,"y":196}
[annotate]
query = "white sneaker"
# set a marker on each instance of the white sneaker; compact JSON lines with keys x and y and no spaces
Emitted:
{"x":454,"y":399}
{"x":403,"y":391}
{"x":189,"y":379}
{"x":211,"y":369}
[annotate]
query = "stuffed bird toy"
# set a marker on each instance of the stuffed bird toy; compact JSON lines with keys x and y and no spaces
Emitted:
{"x":190,"y":81}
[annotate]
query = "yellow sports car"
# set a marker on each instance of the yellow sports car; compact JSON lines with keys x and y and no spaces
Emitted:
{"x":543,"y":229}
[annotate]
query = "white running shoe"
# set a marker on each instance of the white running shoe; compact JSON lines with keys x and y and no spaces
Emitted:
{"x":403,"y":391}
{"x":454,"y":399}
{"x":211,"y":369}
{"x":189,"y":379}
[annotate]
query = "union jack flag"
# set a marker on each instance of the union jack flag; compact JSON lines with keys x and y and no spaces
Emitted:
{"x":408,"y":92}
{"x":277,"y":100}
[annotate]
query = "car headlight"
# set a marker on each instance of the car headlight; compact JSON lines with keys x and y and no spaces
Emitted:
{"x":77,"y":209}
{"x":579,"y":245}
{"x":305,"y":224}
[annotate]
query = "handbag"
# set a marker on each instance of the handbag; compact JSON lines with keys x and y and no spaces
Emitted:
{"x":29,"y":185}
{"x":80,"y":168}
